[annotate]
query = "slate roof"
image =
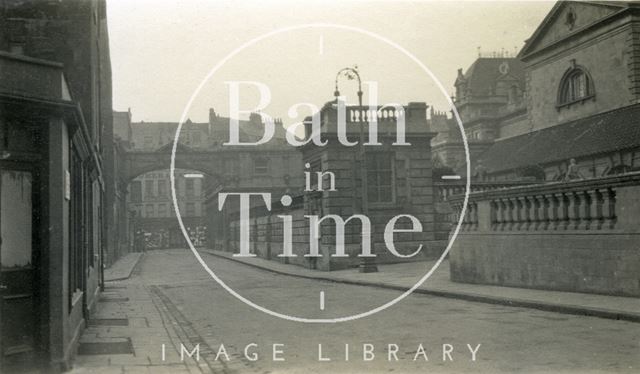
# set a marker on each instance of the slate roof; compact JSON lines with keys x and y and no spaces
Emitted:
{"x":482,"y":75}
{"x":611,"y":131}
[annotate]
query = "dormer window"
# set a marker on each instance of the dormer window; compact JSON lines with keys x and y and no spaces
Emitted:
{"x":575,"y":86}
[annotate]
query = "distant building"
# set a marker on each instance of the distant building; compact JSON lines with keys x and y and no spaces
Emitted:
{"x":572,"y":92}
{"x":204,"y":167}
{"x":154,"y":213}
{"x":55,"y":104}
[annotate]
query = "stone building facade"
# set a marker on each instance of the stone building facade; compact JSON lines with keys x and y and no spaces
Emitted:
{"x":55,"y":104}
{"x":399,"y":183}
{"x":570,"y":93}
{"x":576,"y":140}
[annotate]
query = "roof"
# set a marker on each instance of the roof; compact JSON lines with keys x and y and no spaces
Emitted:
{"x":606,"y":132}
{"x":482,"y":75}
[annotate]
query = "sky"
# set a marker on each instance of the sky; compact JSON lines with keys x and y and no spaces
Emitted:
{"x":162,"y":51}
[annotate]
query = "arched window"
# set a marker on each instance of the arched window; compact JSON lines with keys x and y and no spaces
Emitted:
{"x":576,"y":85}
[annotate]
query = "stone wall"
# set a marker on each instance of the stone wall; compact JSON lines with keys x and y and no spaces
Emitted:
{"x":266,"y":238}
{"x":605,"y":56}
{"x":577,"y":236}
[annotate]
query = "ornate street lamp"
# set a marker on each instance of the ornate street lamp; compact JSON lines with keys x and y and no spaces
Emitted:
{"x":367,"y":264}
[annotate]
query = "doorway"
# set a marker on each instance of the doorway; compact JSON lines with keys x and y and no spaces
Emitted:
{"x":17,"y":268}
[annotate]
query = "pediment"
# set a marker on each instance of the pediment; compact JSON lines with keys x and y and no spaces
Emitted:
{"x":567,"y":18}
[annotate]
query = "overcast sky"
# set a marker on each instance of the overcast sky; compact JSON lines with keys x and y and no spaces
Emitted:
{"x":162,"y":49}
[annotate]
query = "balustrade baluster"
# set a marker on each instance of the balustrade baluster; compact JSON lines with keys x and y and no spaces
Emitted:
{"x":493,"y":213}
{"x":502,"y":214}
{"x":545,"y":212}
{"x":511,"y":214}
{"x":609,"y":208}
{"x":563,"y":211}
{"x":574,"y":210}
{"x":598,"y":202}
{"x":536,"y":212}
{"x":525,"y":203}
{"x":518,"y":213}
{"x":587,"y":203}
{"x":554,"y":215}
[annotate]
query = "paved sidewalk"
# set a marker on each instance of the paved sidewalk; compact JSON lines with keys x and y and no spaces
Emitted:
{"x":123,"y":267}
{"x":148,"y":327}
{"x":136,"y":328}
{"x":404,"y":276}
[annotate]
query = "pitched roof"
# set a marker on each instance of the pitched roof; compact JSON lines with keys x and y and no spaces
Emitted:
{"x":611,"y":131}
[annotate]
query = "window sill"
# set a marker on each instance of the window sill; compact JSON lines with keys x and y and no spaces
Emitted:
{"x":578,"y":101}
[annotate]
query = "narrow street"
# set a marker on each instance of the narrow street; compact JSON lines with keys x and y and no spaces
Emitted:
{"x":196,"y":310}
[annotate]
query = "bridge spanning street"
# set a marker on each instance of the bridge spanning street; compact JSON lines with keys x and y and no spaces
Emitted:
{"x":172,"y":301}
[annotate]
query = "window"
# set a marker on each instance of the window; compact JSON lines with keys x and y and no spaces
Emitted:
{"x":162,"y":210}
{"x":191,"y":209}
{"x":576,"y":85}
{"x":189,"y":187}
{"x":77,"y":217}
{"x":148,"y":188}
{"x":162,"y":188}
{"x":136,"y":191}
{"x":261,"y":166}
{"x":149,"y":210}
{"x":379,"y":177}
{"x":148,"y":141}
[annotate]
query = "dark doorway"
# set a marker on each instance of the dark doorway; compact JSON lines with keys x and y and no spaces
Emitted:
{"x":17,"y":269}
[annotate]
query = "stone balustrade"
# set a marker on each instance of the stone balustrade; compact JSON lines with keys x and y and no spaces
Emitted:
{"x":446,"y":189}
{"x":366,"y":114}
{"x":575,"y":205}
{"x":578,"y":236}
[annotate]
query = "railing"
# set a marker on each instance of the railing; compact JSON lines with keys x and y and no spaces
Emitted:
{"x":591,"y":204}
{"x":365,"y":114}
{"x":445,"y":190}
